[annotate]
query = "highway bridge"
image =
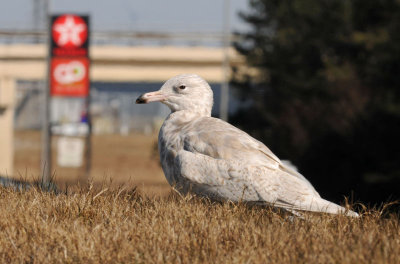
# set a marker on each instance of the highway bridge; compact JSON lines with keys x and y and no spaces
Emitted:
{"x":109,"y":63}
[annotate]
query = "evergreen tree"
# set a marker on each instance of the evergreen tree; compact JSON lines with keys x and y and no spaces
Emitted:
{"x":322,"y":82}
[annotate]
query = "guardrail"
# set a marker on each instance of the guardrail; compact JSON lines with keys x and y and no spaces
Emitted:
{"x":125,"y":38}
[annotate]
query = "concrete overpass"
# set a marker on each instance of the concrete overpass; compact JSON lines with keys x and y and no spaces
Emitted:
{"x":109,"y":64}
{"x":122,"y":63}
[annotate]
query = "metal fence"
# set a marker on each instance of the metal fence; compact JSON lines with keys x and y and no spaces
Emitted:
{"x":113,"y":107}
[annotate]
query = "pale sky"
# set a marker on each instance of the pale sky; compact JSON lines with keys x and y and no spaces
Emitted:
{"x":145,"y":15}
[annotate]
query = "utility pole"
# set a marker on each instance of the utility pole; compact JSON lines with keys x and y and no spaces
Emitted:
{"x":36,"y":18}
{"x":39,"y":15}
{"x":224,"y":106}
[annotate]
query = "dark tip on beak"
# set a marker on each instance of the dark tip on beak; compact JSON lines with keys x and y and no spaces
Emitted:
{"x":140,"y":100}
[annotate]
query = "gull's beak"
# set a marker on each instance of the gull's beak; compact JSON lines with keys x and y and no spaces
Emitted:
{"x":151,"y":97}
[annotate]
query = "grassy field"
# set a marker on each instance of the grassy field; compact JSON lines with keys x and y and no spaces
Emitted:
{"x":104,"y":223}
{"x":122,"y":159}
{"x":121,"y":226}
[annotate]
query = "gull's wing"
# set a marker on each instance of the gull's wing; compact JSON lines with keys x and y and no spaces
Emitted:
{"x":231,"y":180}
{"x":220,"y":140}
{"x":225,"y":162}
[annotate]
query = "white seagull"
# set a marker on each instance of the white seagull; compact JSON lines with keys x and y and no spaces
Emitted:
{"x":212,"y":158}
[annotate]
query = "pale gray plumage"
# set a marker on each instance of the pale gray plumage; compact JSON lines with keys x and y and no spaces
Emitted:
{"x":212,"y":158}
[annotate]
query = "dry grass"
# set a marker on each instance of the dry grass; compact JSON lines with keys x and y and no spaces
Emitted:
{"x":122,"y":158}
{"x":101,"y":225}
{"x":119,"y":226}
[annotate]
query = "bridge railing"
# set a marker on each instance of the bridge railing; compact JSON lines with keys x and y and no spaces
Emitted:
{"x":125,"y":38}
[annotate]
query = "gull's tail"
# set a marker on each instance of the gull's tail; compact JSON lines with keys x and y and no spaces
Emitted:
{"x":317,"y":204}
{"x":323,"y":205}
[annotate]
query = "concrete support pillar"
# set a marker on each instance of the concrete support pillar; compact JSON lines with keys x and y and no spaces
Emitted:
{"x":7,"y":102}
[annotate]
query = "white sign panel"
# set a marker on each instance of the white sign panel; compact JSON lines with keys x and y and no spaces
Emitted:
{"x":70,"y":152}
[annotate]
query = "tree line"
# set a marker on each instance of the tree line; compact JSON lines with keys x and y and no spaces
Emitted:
{"x":321,"y":86}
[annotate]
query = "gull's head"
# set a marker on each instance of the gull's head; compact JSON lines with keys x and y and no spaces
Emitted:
{"x":183,"y":92}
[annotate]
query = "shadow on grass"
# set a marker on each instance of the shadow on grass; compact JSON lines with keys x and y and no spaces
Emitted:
{"x":23,"y":184}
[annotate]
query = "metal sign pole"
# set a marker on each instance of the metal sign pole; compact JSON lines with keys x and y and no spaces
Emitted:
{"x":89,"y":145}
{"x":89,"y":135}
{"x":46,"y":127}
{"x":224,"y":107}
{"x":89,"y":118}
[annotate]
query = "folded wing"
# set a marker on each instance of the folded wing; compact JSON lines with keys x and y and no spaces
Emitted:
{"x":225,"y":162}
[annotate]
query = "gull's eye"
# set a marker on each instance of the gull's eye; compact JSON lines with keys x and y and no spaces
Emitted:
{"x":182,"y":87}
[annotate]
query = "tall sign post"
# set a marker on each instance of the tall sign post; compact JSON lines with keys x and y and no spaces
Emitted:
{"x":68,"y":74}
{"x":224,"y":106}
